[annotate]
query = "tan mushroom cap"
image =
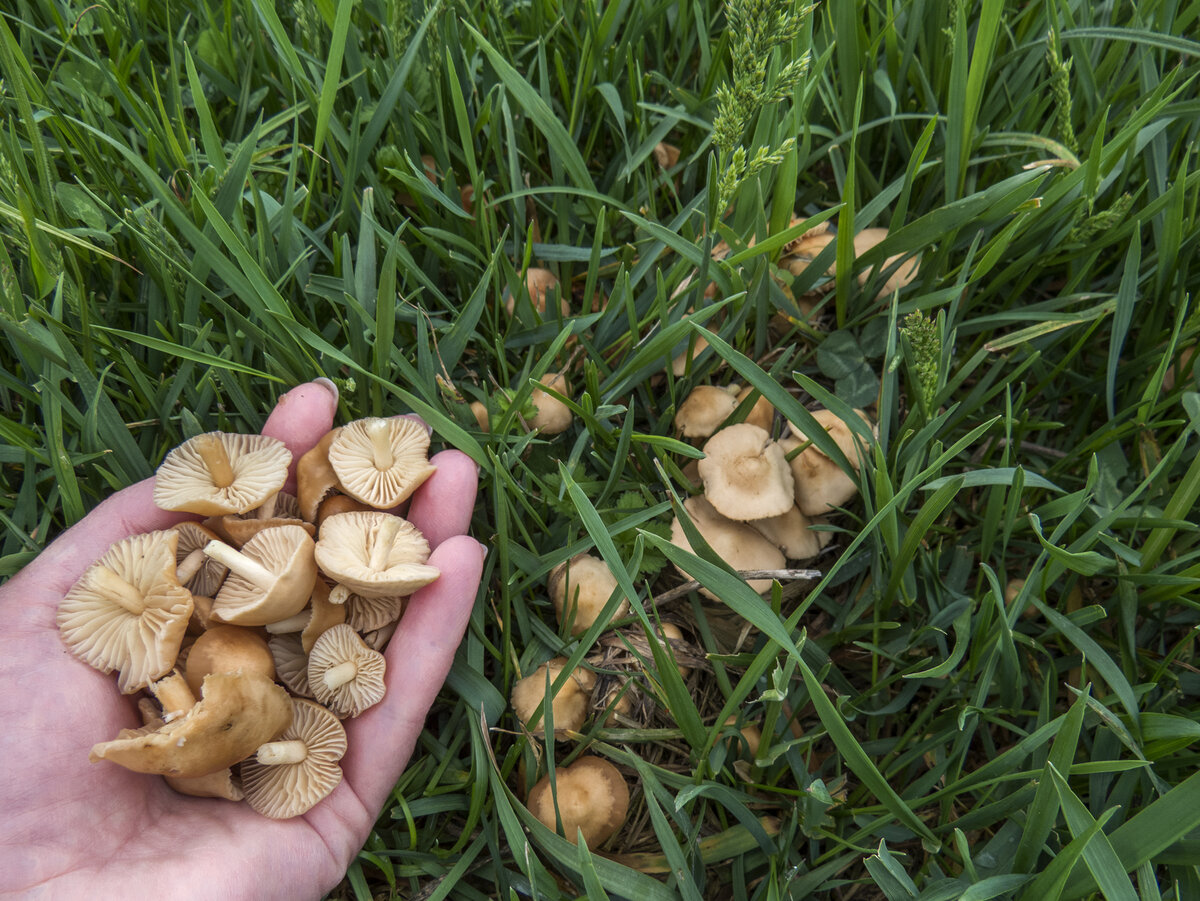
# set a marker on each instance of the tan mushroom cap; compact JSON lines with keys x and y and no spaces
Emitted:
{"x":237,"y":713}
{"x":592,"y":797}
{"x":746,"y":474}
{"x":225,"y":649}
{"x":579,"y":589}
{"x":820,"y":484}
{"x":295,"y":771}
{"x":365,"y":614}
{"x":220,"y":472}
{"x":703,"y":411}
{"x":553,"y":416}
{"x":339,"y":503}
{"x":734,"y":542}
{"x":269,"y":579}
{"x":197,"y":572}
{"x":762,"y":413}
{"x":374,"y":554}
{"x":539,"y":283}
{"x":315,"y":478}
{"x":280,"y":509}
{"x":381,"y":461}
{"x":344,"y":674}
{"x":220,"y":784}
{"x":790,"y":533}
{"x":128,"y":611}
{"x":571,"y":701}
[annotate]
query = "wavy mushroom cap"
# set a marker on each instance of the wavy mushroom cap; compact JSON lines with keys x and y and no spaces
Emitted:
{"x":579,"y":589}
{"x":128,"y":611}
{"x":291,"y":774}
{"x":381,"y":461}
{"x":592,"y":799}
{"x":220,"y":472}
{"x":344,"y":674}
{"x":269,"y":579}
{"x":746,"y":474}
{"x":790,"y":533}
{"x":553,"y":416}
{"x":736,"y":543}
{"x":315,"y":477}
{"x":375,"y":554}
{"x":703,"y":411}
{"x":539,"y":283}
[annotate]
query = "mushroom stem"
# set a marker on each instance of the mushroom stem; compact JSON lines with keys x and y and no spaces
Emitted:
{"x":173,"y":695}
{"x":337,"y":676}
{"x":380,"y":434}
{"x":276,"y":753}
{"x":339,"y":594}
{"x":384,"y":539}
{"x":118,"y":590}
{"x":246,"y":567}
{"x":216,"y":460}
{"x":186,"y":568}
{"x":294,"y":623}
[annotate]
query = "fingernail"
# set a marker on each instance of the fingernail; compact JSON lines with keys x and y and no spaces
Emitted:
{"x":329,"y":386}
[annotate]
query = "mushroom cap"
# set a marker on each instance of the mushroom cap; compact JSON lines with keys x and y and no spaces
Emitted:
{"x":580,"y":588}
{"x":128,"y":611}
{"x":746,"y":474}
{"x":381,"y":461}
{"x":257,"y":464}
{"x":239,"y":712}
{"x":325,"y":615}
{"x":285,"y":790}
{"x":210,"y":575}
{"x":819,"y":483}
{"x":571,"y":701}
{"x":592,"y":798}
{"x":344,"y":674}
{"x":762,"y":414}
{"x":287,"y":552}
{"x":339,"y":503}
{"x":315,"y":478}
{"x":734,"y":542}
{"x":703,"y":411}
{"x":790,"y":533}
{"x":553,"y":416}
{"x":539,"y":283}
{"x":374,"y":554}
{"x":224,"y":649}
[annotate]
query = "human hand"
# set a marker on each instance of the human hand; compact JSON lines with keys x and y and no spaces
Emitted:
{"x":76,"y":829}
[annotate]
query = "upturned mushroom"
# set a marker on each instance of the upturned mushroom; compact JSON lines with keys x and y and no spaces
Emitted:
{"x":381,"y":461}
{"x":269,"y":579}
{"x":221,"y":472}
{"x":580,"y":588}
{"x":374,"y":554}
{"x":291,"y":774}
{"x":570,"y":705}
{"x":746,"y":474}
{"x":196,"y":571}
{"x":589,"y":797}
{"x":344,"y":674}
{"x":128,"y":611}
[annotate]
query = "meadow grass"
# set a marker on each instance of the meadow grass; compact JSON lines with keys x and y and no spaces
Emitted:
{"x":989,"y":692}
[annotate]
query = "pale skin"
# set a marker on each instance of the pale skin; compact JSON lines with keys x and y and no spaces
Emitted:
{"x":77,"y":829}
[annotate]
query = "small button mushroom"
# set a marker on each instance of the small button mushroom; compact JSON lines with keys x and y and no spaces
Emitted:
{"x":734,"y":542}
{"x":580,"y":588}
{"x":746,"y":474}
{"x":128,"y":611}
{"x":374,"y":554}
{"x":570,"y":705}
{"x":344,"y":674}
{"x":589,"y":797}
{"x":291,"y":774}
{"x":219,"y":472}
{"x":269,"y":579}
{"x":381,"y":462}
{"x":553,"y":416}
{"x":703,"y":410}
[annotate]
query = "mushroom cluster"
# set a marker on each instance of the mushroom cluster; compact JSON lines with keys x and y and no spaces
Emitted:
{"x":208,"y":615}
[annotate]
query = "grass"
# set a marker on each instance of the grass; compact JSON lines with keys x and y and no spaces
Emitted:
{"x":202,"y":203}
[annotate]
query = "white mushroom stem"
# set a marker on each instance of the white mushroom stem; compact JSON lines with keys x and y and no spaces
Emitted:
{"x":216,"y":460}
{"x":267,"y":510}
{"x":173,"y":695}
{"x":295,"y":623}
{"x":249,"y":569}
{"x":339,"y":594}
{"x":276,"y":753}
{"x":337,"y":676}
{"x":384,"y":539}
{"x":189,"y":565}
{"x":380,"y":434}
{"x":116,"y":589}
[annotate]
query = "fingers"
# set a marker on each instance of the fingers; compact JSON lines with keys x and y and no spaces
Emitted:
{"x":300,"y":418}
{"x":442,"y":506}
{"x":418,"y":658}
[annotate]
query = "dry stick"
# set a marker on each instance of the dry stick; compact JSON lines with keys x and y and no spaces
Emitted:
{"x":783,"y":575}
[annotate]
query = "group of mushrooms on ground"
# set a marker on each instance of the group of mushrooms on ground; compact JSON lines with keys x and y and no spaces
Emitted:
{"x":206,"y":616}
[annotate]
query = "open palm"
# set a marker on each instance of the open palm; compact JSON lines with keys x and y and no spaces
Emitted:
{"x":76,"y":829}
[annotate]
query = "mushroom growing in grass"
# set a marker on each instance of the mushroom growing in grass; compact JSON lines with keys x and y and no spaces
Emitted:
{"x":128,"y":611}
{"x":381,"y":461}
{"x":374,"y":554}
{"x":553,"y":416}
{"x":820,"y":484}
{"x":580,"y":588}
{"x":790,"y":533}
{"x":344,"y":674}
{"x":269,"y":579}
{"x":746,"y":474}
{"x":292,"y":773}
{"x":740,"y":546}
{"x":589,"y":797}
{"x":220,"y":472}
{"x":571,"y":701}
{"x":704,"y":409}
{"x":539,"y":283}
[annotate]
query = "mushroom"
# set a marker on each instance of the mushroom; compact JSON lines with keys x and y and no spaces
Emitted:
{"x":339,"y":503}
{"x":220,"y":472}
{"x":746,"y":474}
{"x":220,"y":784}
{"x":128,"y":611}
{"x":269,"y":579}
{"x":374,"y":554}
{"x":291,"y":663}
{"x":321,"y":613}
{"x":539,"y":283}
{"x":237,"y":713}
{"x":666,"y":155}
{"x":365,"y":614}
{"x":280,"y":509}
{"x":589,"y":797}
{"x":196,"y":571}
{"x":820,"y":484}
{"x":579,"y":589}
{"x":381,"y":461}
{"x":762,"y":413}
{"x":480,"y":411}
{"x":226,"y":649}
{"x":570,"y":704}
{"x":292,"y":773}
{"x":739,"y":545}
{"x":790,"y":533}
{"x":344,"y":674}
{"x":315,"y":478}
{"x":553,"y":416}
{"x":703,"y":411}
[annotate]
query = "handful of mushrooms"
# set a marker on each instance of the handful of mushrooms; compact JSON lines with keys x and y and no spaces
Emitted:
{"x":207,"y":615}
